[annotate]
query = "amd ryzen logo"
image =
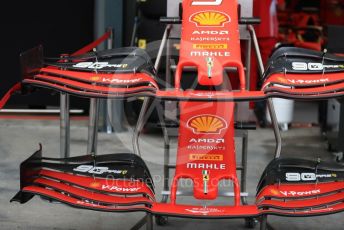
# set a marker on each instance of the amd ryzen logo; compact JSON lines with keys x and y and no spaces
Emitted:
{"x":207,"y":141}
{"x":210,"y":32}
{"x":207,"y":3}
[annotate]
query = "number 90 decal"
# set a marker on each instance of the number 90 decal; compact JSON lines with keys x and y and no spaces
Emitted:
{"x":302,"y":66}
{"x":301,"y":177}
{"x":207,"y":3}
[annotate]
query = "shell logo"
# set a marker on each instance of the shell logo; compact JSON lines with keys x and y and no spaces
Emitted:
{"x":95,"y":78}
{"x":95,"y":184}
{"x":207,"y":124}
{"x":282,"y":79}
{"x":275,"y":192}
{"x":210,"y":19}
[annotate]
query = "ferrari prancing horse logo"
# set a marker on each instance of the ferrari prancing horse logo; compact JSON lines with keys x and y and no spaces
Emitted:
{"x":210,"y":65}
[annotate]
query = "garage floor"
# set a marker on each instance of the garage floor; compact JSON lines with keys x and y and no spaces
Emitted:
{"x":19,"y":139}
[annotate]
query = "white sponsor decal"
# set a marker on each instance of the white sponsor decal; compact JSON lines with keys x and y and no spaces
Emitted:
{"x":116,"y":80}
{"x":119,"y":189}
{"x":319,"y":210}
{"x":204,"y":211}
{"x":210,"y":32}
{"x":210,"y":54}
{"x":300,"y":193}
{"x":210,"y":39}
{"x":208,"y":94}
{"x":207,"y":3}
{"x":307,"y":176}
{"x":206,"y":166}
{"x":207,"y":141}
{"x":87,"y":202}
{"x":206,"y":147}
{"x":195,"y":141}
{"x":98,"y":170}
{"x":312,"y":81}
{"x":302,"y":66}
{"x":98,"y":65}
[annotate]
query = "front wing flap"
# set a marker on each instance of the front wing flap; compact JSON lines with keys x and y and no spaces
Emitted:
{"x":117,"y":181}
{"x":296,"y":187}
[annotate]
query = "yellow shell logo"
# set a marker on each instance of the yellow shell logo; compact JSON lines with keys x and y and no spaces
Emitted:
{"x":207,"y":124}
{"x":275,"y":192}
{"x":95,"y":184}
{"x":210,"y":18}
{"x":95,"y":78}
{"x":282,"y":80}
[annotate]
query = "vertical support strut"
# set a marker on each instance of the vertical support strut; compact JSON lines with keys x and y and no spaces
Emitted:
{"x":276,"y":128}
{"x":244,"y":165}
{"x":162,"y":46}
{"x":245,"y":133}
{"x":139,"y":126}
{"x":166,"y":176}
{"x":271,"y":108}
{"x":149,"y":224}
{"x":93,"y":126}
{"x":248,"y":63}
{"x":168,"y":78}
{"x":270,"y":104}
{"x":109,"y":103}
{"x":264,"y":222}
{"x":146,"y":220}
{"x":146,"y":102}
{"x":64,"y":126}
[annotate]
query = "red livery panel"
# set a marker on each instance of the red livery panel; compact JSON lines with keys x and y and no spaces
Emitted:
{"x":210,"y":41}
{"x":206,"y":148}
{"x":206,"y":151}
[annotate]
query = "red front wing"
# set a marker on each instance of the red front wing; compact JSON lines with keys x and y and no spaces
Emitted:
{"x":206,"y":150}
{"x":63,"y":183}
